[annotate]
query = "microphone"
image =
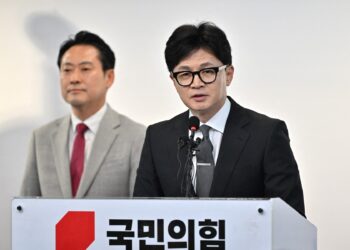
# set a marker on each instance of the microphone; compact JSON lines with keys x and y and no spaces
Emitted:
{"x":193,"y":126}
{"x":193,"y":123}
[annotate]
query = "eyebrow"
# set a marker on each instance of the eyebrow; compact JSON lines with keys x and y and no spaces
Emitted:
{"x":207,"y":64}
{"x":80,"y":64}
{"x":85,"y":62}
{"x":201,"y":66}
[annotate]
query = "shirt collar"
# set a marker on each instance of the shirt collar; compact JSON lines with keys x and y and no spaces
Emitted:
{"x":92,"y":122}
{"x":218,"y":121}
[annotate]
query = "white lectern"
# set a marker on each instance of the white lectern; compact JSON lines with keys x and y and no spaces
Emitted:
{"x":156,"y":224}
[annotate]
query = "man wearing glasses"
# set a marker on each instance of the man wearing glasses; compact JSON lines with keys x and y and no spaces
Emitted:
{"x":240,"y":154}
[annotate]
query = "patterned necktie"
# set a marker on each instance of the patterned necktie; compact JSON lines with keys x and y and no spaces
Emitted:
{"x":77,"y":159}
{"x":205,"y":164}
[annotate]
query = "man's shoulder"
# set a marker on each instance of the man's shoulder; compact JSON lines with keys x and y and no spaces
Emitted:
{"x":170,"y":123}
{"x":252,"y":119}
{"x":259,"y":117}
{"x":50,"y":126}
{"x":262,"y":123}
{"x":127,"y":122}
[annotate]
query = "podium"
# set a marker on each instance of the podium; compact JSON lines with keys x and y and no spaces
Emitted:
{"x":156,"y":224}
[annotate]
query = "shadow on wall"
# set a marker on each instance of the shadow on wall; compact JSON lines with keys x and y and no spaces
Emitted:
{"x":46,"y":31}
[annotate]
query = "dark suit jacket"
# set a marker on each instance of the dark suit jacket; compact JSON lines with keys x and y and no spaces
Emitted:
{"x":255,"y":159}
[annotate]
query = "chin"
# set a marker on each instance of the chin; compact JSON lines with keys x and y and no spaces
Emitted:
{"x":76,"y":103}
{"x":198,"y":107}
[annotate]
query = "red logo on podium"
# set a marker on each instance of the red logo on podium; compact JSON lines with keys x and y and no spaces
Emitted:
{"x":75,"y":231}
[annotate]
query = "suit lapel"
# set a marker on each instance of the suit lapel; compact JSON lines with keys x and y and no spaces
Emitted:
{"x":59,"y":139}
{"x":106,"y":134}
{"x":233,"y":142}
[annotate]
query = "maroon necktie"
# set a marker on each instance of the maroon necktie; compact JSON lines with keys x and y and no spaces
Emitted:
{"x":77,"y":159}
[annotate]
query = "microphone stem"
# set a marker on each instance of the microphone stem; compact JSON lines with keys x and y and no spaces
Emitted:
{"x":189,"y":166}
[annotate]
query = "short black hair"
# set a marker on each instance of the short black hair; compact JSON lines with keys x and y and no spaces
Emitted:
{"x":83,"y":37}
{"x":188,"y":38}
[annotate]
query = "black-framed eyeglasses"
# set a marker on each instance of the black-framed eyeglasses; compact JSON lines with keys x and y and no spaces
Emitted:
{"x":206,"y":75}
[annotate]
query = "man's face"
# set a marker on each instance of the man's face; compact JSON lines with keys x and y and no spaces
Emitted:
{"x":84,"y":84}
{"x":204,"y":100}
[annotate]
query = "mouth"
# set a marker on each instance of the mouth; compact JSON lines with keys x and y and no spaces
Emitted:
{"x":74,"y":91}
{"x":199,"y":97}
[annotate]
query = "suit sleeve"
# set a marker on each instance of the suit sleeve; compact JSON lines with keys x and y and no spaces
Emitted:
{"x":147,"y":183}
{"x":282,"y":177}
{"x":30,"y":183}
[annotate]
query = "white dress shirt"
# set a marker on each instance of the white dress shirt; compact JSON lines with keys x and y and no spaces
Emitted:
{"x":217,"y":125}
{"x":93,"y":123}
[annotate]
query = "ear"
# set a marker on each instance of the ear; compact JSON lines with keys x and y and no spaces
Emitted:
{"x":229,"y":74}
{"x":176,"y":85}
{"x":173,"y":79}
{"x":109,"y":75}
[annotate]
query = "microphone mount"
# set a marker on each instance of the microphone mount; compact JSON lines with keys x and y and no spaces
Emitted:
{"x":192,"y":144}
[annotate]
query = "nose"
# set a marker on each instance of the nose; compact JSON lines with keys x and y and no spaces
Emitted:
{"x":197,"y":82}
{"x":75,"y":77}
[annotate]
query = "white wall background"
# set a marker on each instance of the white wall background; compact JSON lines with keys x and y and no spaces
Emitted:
{"x":292,"y":61}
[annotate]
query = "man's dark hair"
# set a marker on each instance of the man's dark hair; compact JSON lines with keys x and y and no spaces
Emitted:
{"x":106,"y":54}
{"x":189,"y":38}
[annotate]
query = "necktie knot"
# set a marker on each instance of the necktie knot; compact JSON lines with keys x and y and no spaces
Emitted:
{"x":81,"y":128}
{"x":205,"y":131}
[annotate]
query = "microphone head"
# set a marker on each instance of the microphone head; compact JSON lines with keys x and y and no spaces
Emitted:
{"x":193,"y":123}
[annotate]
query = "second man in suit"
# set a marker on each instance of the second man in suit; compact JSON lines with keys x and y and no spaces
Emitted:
{"x":241,"y":154}
{"x":94,"y":151}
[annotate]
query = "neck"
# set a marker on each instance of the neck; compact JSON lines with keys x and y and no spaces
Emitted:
{"x":205,"y":115}
{"x":84,"y":113}
{"x":204,"y":118}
